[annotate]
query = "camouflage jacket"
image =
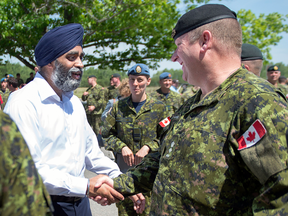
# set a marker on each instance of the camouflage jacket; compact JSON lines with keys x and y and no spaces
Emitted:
{"x":190,"y":91}
{"x":124,"y":127}
{"x":201,"y":169}
{"x":113,"y":92}
{"x":283,"y":89}
{"x":97,"y":97}
{"x":4,"y":97}
{"x":172,"y":102}
{"x":22,"y":190}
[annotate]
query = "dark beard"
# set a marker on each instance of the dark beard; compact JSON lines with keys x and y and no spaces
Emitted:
{"x":62,"y":77}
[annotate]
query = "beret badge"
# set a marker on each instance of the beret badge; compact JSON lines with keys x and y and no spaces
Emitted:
{"x":138,"y":69}
{"x":173,"y":33}
{"x":275,"y":68}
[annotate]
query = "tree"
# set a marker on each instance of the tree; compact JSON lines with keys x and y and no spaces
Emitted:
{"x":143,"y":28}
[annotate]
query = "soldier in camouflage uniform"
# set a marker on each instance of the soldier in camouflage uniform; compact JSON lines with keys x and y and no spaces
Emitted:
{"x":225,"y":150}
{"x":22,"y":190}
{"x":113,"y":91}
{"x":132,"y":132}
{"x":190,"y":91}
{"x":96,"y":100}
{"x":273,"y":75}
{"x":171,"y":99}
{"x":4,"y":92}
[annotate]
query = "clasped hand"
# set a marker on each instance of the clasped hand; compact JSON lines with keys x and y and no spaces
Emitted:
{"x":101,"y":191}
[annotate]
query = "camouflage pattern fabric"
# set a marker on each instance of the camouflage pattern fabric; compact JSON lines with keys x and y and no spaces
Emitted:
{"x":190,"y":91}
{"x":96,"y":97}
{"x":200,"y":170}
{"x":113,"y":92}
{"x":22,"y":190}
{"x":283,"y":89}
{"x":172,"y":102}
{"x":124,"y":127}
{"x":4,"y":97}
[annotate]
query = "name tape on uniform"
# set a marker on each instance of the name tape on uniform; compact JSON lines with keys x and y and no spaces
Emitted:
{"x":254,"y":133}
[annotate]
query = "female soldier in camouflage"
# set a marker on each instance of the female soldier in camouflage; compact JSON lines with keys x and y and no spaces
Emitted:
{"x":131,"y":130}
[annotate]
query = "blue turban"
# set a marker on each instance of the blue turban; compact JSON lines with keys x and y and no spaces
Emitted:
{"x":57,"y":42}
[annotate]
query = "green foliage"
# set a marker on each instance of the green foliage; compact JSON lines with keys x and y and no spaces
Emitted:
{"x":13,"y":69}
{"x":262,"y":31}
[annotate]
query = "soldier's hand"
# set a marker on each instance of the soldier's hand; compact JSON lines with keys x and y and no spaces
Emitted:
{"x":91,"y":108}
{"x":85,"y":93}
{"x":139,"y":202}
{"x":141,"y":154}
{"x":102,"y":186}
{"x":128,"y":156}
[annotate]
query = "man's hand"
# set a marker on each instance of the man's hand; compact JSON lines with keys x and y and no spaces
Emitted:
{"x":128,"y":156}
{"x":141,"y":154}
{"x":139,"y":202}
{"x":85,"y":93}
{"x":91,"y":108}
{"x":104,"y":190}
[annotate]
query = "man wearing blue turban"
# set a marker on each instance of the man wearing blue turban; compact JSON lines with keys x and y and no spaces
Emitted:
{"x":54,"y":125}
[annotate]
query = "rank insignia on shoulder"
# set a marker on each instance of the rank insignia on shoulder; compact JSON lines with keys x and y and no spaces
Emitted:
{"x":254,"y":133}
{"x":165,"y":122}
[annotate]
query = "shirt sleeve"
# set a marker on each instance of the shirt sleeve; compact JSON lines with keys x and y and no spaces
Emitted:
{"x":266,"y":158}
{"x":139,"y":179}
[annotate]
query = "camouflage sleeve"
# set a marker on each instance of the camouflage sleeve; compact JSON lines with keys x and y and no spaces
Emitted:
{"x":139,"y":179}
{"x":22,"y":189}
{"x":109,"y":132}
{"x":84,"y":97}
{"x":267,"y":158}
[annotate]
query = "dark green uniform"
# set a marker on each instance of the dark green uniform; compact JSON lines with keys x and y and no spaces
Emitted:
{"x":4,"y":96}
{"x":124,"y":127}
{"x":190,"y":91}
{"x":113,"y":92}
{"x":96,"y":97}
{"x":172,"y":102}
{"x":203,"y":168}
{"x":22,"y":190}
{"x":283,"y":89}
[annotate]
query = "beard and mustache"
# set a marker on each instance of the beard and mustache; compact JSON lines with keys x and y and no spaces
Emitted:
{"x":62,"y":77}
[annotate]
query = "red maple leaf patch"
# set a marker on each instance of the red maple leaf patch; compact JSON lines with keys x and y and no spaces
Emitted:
{"x":251,"y":136}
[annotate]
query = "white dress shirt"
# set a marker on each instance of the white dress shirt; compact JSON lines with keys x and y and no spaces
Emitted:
{"x":59,"y":137}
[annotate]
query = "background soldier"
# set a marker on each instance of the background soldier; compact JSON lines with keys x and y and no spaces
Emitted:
{"x":113,"y":91}
{"x":96,"y":101}
{"x":273,"y":74}
{"x":131,"y":129}
{"x":171,"y":99}
{"x":252,"y":58}
{"x":4,"y":92}
{"x":20,"y":81}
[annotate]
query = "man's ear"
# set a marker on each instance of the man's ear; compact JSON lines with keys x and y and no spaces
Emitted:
{"x":247,"y":67}
{"x":205,"y":40}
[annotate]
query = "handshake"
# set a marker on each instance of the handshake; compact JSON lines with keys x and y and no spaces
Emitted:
{"x":101,"y":191}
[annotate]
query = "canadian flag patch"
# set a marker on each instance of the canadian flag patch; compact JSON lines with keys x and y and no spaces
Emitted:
{"x":165,"y":122}
{"x":254,"y":133}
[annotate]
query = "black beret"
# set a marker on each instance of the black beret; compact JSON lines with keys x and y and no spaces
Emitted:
{"x":57,"y":42}
{"x":115,"y":75}
{"x":91,"y":76}
{"x":250,"y":52}
{"x":200,"y":16}
{"x":273,"y":68}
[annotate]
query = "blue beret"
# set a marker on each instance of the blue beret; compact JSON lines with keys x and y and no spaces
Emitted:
{"x":57,"y":42}
{"x":165,"y":75}
{"x":9,"y":75}
{"x":200,"y":16}
{"x":3,"y":79}
{"x":139,"y":69}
